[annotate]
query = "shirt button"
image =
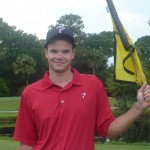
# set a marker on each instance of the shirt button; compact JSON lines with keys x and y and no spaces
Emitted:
{"x":62,"y":101}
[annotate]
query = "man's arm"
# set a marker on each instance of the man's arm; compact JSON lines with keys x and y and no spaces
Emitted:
{"x":122,"y":123}
{"x":25,"y":147}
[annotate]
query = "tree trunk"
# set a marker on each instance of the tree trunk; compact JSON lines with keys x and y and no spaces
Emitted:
{"x":93,"y":71}
{"x":27,"y":82}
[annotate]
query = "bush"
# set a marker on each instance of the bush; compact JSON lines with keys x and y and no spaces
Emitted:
{"x":7,"y":125}
{"x":6,"y":131}
{"x":7,"y":118}
{"x":4,"y":90}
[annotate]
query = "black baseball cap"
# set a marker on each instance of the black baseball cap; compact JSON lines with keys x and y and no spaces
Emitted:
{"x":57,"y":33}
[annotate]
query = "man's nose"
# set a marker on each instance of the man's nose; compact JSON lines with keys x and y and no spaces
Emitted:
{"x":59,"y":54}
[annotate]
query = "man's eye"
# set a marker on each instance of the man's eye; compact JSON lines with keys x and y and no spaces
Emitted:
{"x":66,"y":51}
{"x":53,"y":51}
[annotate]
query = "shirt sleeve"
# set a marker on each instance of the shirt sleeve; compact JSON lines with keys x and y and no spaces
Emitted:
{"x":25,"y":130}
{"x":104,"y":113}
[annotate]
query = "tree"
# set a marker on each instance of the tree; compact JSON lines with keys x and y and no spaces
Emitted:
{"x":75,"y":24}
{"x":102,"y":41}
{"x":24,"y":66}
{"x":4,"y":90}
{"x":85,"y":60}
{"x":94,"y":59}
{"x":143,"y":47}
{"x":79,"y":60}
{"x":12,"y":44}
{"x":148,"y":22}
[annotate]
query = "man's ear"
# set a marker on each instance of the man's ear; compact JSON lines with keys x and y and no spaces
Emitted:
{"x":46,"y":52}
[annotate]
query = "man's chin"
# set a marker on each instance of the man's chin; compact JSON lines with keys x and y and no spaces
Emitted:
{"x":61,"y":70}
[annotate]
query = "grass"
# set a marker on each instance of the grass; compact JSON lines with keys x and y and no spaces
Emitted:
{"x":9,"y":103}
{"x":8,"y":144}
{"x":121,"y":147}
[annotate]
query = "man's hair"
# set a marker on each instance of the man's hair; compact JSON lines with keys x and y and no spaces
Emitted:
{"x":61,"y":37}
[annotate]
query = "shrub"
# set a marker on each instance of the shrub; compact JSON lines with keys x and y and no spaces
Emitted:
{"x":4,"y":90}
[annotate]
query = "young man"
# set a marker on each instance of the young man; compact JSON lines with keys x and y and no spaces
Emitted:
{"x":63,"y":110}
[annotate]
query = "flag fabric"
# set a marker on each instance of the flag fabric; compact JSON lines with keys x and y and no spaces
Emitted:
{"x":127,"y":64}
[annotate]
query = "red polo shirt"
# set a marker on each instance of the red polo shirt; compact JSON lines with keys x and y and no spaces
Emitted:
{"x":54,"y":118}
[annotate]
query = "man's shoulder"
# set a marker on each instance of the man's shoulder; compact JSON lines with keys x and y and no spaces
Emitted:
{"x":90,"y":78}
{"x":34,"y":86}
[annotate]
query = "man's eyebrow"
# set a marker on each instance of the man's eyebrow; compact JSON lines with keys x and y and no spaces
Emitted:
{"x":53,"y":49}
{"x":65,"y":50}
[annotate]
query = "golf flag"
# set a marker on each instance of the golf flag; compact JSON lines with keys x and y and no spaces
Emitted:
{"x":127,"y":66}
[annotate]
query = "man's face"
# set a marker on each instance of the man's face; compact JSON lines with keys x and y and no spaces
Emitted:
{"x":59,"y":55}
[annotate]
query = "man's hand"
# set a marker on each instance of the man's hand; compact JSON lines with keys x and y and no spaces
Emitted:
{"x":143,"y":96}
{"x":25,"y":147}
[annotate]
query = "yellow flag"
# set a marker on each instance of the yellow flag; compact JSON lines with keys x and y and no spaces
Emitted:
{"x":127,"y":64}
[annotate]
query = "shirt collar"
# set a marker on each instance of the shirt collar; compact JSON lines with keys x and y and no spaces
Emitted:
{"x":77,"y":79}
{"x":46,"y":82}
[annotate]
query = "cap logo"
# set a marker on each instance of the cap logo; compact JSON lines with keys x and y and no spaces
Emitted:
{"x":60,"y":28}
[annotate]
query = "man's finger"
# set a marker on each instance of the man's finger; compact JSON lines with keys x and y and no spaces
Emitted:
{"x":142,"y":87}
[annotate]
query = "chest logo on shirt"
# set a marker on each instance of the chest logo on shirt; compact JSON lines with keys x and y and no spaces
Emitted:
{"x":83,"y":95}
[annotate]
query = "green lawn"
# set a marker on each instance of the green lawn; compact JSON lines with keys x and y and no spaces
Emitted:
{"x":9,"y":103}
{"x":121,"y":147}
{"x":7,"y":144}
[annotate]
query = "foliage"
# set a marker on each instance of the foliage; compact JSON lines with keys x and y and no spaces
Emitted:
{"x":143,"y":46}
{"x":138,"y":132}
{"x":125,"y":95}
{"x":24,"y":66}
{"x":94,"y":59}
{"x":148,"y":22}
{"x":12,"y":44}
{"x":102,"y":42}
{"x":119,"y":89}
{"x":4,"y":90}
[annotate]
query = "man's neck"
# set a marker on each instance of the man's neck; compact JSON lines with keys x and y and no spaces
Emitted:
{"x":61,"y":79}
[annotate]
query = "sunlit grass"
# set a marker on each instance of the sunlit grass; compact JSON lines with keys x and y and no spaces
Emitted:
{"x":7,"y":143}
{"x":9,"y":103}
